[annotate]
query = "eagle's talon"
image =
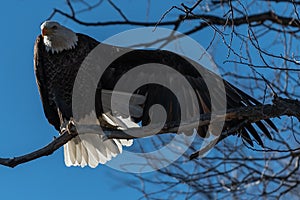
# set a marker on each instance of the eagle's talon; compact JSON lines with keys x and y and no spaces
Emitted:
{"x":71,"y":127}
{"x":63,"y":127}
{"x":68,"y":126}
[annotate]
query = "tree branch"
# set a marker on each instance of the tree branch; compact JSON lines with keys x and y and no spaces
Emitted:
{"x":209,"y":20}
{"x":280,"y":107}
{"x":45,"y":151}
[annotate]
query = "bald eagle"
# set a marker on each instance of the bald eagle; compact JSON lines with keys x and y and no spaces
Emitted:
{"x":58,"y":55}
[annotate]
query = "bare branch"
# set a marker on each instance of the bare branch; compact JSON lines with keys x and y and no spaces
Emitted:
{"x":251,"y":114}
{"x":210,"y":19}
{"x":71,"y":8}
{"x":45,"y":151}
{"x":118,"y":10}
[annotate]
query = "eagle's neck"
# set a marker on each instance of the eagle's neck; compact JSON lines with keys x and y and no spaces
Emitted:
{"x":58,"y":43}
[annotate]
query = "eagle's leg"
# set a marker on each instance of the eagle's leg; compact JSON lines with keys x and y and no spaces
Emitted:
{"x":71,"y":127}
{"x":65,"y":115}
{"x":68,"y":125}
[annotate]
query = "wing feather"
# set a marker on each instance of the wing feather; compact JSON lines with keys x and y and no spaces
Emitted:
{"x":39,"y":55}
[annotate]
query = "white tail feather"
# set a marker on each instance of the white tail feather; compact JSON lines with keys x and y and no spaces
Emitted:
{"x":92,"y":148}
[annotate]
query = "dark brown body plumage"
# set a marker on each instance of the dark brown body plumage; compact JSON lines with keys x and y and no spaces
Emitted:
{"x":55,"y":76}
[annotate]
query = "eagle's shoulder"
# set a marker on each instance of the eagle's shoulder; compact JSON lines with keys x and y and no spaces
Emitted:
{"x":85,"y":41}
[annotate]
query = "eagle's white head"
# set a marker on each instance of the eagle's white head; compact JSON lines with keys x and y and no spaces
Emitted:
{"x":57,"y":37}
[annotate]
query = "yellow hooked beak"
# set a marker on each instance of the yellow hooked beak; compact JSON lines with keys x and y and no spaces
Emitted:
{"x":46,"y":31}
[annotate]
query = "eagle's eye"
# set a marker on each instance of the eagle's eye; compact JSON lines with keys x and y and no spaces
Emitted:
{"x":54,"y":27}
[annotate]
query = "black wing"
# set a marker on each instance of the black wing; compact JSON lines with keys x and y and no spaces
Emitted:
{"x":158,"y":94}
{"x":49,"y":110}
